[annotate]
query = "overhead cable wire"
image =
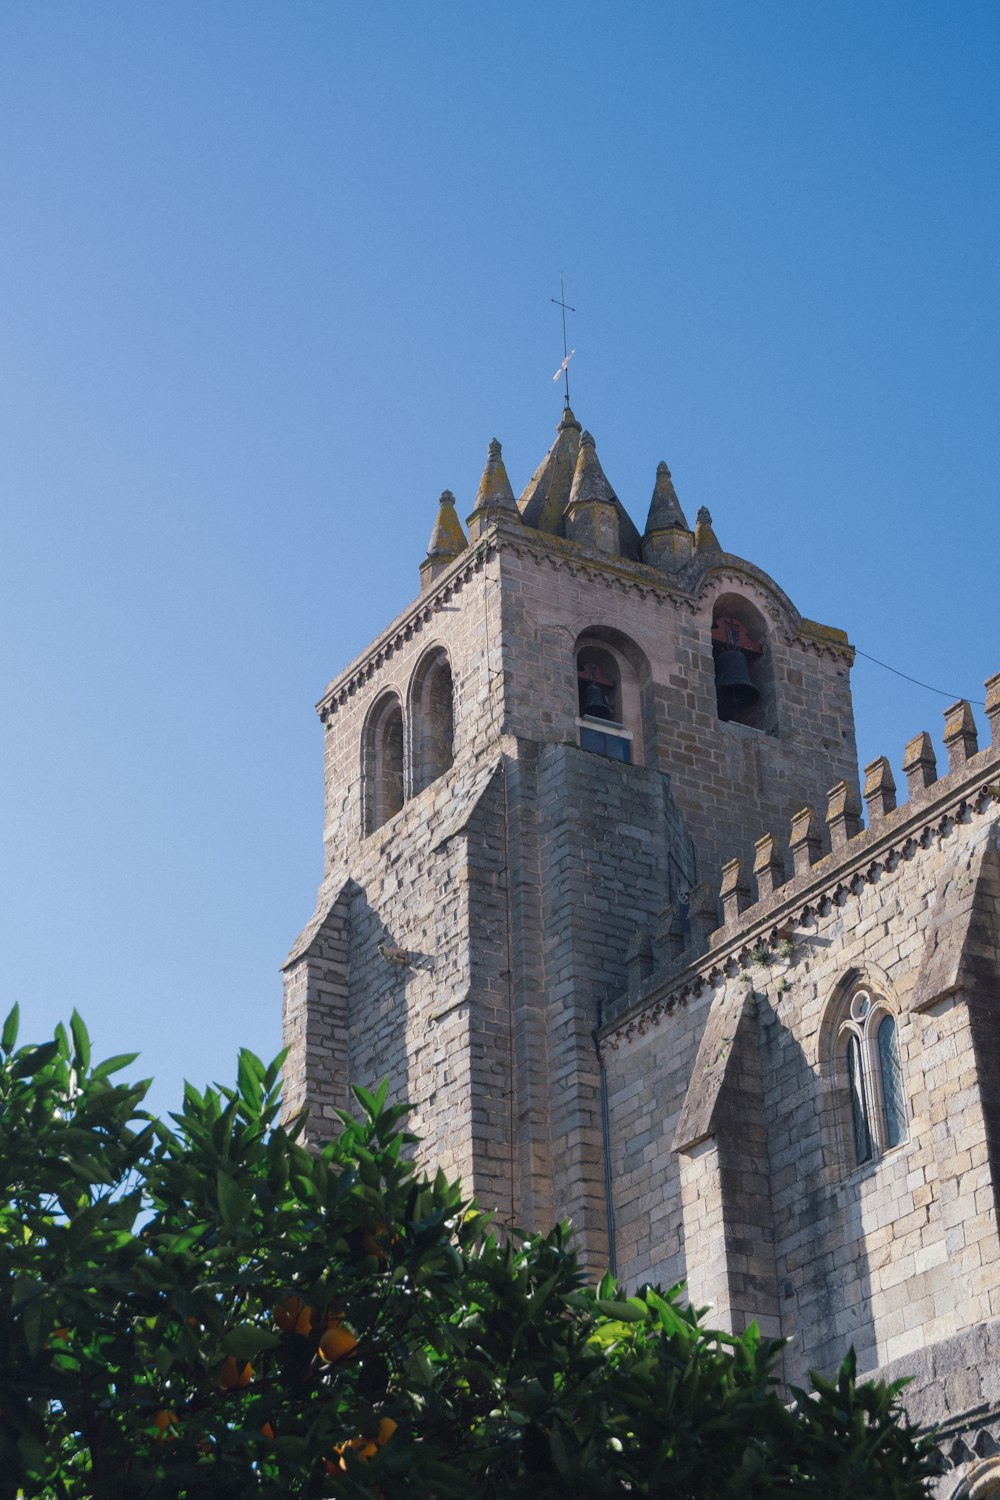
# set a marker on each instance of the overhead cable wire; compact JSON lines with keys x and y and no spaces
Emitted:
{"x":955,"y":697}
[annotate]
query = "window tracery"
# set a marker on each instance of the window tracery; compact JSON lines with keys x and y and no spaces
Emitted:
{"x":871,"y":1095}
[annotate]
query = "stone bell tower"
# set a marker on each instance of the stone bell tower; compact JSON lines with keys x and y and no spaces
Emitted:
{"x":527,"y":775}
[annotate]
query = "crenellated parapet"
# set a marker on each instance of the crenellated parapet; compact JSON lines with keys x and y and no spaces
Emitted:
{"x":753,"y":908}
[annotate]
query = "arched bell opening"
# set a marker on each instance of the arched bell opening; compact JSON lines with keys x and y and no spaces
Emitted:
{"x":741,"y":658}
{"x":611,"y":673}
{"x":382,"y":786}
{"x":598,"y":685}
{"x":432,"y":719}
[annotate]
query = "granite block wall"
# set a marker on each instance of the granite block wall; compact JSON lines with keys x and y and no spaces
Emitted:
{"x":900,"y":1253}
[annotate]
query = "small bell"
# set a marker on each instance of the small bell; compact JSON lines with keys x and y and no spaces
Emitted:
{"x":734,"y":690}
{"x":595,"y":702}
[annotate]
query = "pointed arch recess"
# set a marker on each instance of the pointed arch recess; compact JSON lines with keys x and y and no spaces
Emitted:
{"x":864,"y":1094}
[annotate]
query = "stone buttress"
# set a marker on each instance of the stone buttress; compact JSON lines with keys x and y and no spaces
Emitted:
{"x":531,"y":762}
{"x":843,"y":1198}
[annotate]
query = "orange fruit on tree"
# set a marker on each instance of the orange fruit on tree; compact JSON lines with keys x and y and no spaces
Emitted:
{"x":235,"y":1376}
{"x":386,"y":1428}
{"x":293,"y":1315}
{"x":163,"y":1420}
{"x":363,"y":1449}
{"x":337,"y":1343}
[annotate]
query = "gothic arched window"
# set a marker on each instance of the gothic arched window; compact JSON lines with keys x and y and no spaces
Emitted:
{"x":432,"y":719}
{"x":869,"y":1078}
{"x":382,"y":763}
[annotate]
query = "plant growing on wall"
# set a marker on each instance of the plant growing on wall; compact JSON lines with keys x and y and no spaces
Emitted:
{"x":203,"y":1307}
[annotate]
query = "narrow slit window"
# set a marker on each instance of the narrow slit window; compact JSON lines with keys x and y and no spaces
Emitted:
{"x":891,"y":1075}
{"x":859,"y":1106}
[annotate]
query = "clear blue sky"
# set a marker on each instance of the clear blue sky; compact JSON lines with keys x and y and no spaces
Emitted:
{"x":271,"y":276}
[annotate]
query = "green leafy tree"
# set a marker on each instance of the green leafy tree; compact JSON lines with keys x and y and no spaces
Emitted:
{"x":203,"y":1307}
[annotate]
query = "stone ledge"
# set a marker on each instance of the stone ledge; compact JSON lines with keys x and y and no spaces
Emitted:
{"x":967,"y":788}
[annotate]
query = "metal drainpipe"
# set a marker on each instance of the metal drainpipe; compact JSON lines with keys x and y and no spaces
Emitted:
{"x":606,"y":1141}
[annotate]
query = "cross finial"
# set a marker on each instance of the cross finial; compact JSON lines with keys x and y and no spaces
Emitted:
{"x":563,"y":369}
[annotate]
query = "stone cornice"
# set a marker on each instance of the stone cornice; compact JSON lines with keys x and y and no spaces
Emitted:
{"x":683,"y":590}
{"x":970,"y":790}
{"x":416,"y":617}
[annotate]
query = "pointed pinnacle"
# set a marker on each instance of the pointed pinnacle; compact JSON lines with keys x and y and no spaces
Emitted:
{"x":447,"y":538}
{"x":664,"y":508}
{"x":494,"y":487}
{"x":705,"y":539}
{"x":589,"y":480}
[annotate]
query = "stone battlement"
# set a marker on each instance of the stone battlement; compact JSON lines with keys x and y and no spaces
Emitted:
{"x":667,"y":967}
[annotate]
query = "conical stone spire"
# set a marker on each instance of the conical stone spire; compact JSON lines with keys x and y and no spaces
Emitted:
{"x":544,"y":501}
{"x":664,"y":508}
{"x":705,"y":539}
{"x":594,"y":516}
{"x":668,"y":540}
{"x":590,"y":482}
{"x":494,"y":495}
{"x":447,"y":541}
{"x":592,"y":507}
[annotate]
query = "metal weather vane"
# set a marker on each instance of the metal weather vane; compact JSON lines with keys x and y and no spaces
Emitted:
{"x":560,"y":301}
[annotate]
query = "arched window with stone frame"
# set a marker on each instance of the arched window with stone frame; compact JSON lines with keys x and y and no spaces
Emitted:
{"x":865,"y":1076}
{"x":382,"y":762}
{"x":613,"y":683}
{"x":741,"y":659}
{"x":431,"y":718}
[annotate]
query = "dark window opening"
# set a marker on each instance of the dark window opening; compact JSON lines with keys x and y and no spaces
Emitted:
{"x":614,"y":746}
{"x":741,"y":658}
{"x":433,"y":723}
{"x":859,"y":1104}
{"x":599,"y":685}
{"x":382,"y":763}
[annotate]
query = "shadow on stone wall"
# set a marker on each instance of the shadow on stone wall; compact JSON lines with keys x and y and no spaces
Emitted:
{"x":821,"y":1262}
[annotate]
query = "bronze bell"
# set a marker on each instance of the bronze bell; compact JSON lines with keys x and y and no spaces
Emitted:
{"x":733,"y":687}
{"x":595,"y":702}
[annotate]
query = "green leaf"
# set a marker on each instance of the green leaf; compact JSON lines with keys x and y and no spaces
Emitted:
{"x":10,"y":1026}
{"x":36,"y":1324}
{"x":234,"y":1205}
{"x":81,"y":1042}
{"x":249,"y":1075}
{"x":114,"y":1064}
{"x":622,"y":1312}
{"x":34,"y":1059}
{"x":26,"y":1289}
{"x":247,"y":1340}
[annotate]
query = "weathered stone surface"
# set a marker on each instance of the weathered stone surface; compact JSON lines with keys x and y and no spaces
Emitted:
{"x":532,"y":912}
